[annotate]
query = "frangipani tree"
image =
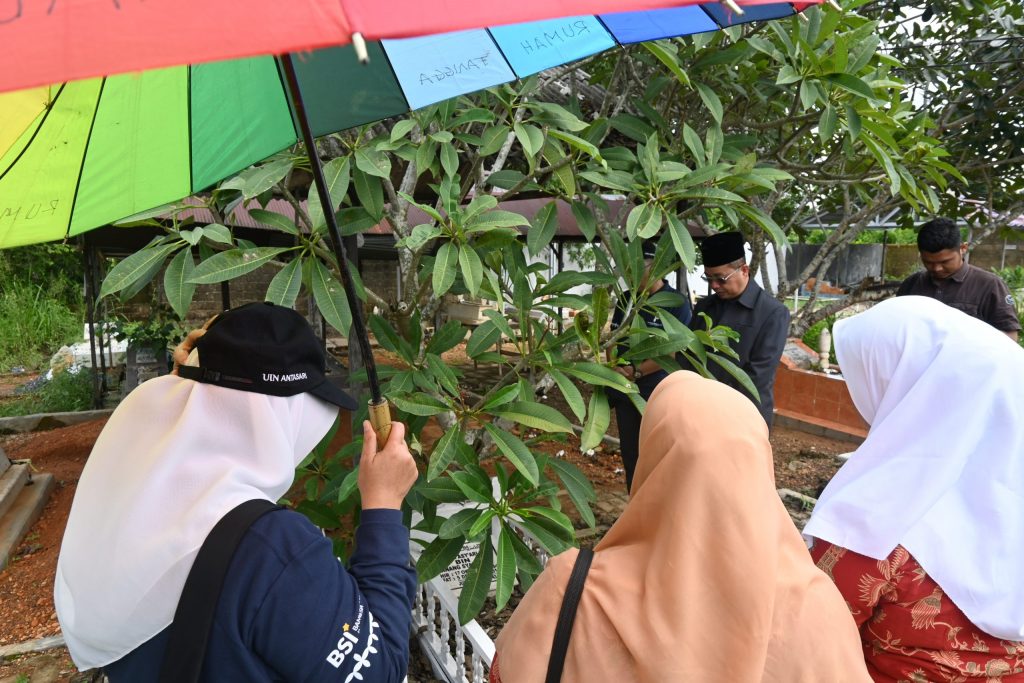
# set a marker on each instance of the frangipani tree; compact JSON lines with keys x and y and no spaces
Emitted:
{"x":730,"y":130}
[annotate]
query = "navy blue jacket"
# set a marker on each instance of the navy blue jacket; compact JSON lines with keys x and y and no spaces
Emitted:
{"x":290,"y":611}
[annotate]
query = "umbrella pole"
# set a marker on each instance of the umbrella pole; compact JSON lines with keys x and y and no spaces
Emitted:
{"x":380,"y":412}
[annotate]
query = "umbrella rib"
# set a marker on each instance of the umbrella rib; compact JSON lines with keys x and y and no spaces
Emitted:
{"x":42,"y":123}
{"x":188,"y":100}
{"x":501,"y":52}
{"x":394,"y":74}
{"x":85,"y":153}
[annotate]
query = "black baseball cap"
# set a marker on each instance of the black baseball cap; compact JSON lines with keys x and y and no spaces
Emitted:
{"x":265,"y":349}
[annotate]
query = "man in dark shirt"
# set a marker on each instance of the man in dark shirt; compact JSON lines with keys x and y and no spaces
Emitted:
{"x":646,"y":373}
{"x":954,"y":282}
{"x":738,"y":302}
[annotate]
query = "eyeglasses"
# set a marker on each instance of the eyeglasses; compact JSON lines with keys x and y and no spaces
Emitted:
{"x":720,"y":279}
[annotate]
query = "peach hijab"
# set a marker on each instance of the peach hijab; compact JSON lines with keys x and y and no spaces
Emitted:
{"x":704,"y":577}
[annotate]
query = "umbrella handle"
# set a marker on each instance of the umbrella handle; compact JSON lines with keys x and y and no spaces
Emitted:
{"x":380,"y":420}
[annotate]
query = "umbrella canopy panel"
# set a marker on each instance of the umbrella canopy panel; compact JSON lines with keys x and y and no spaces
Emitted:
{"x":83,"y":154}
{"x":62,"y":40}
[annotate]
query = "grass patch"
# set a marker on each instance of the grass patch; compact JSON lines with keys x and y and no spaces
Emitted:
{"x":66,"y":392}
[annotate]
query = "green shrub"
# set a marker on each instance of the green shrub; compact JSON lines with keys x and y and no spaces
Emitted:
{"x":1013,"y":277}
{"x":813,"y":335}
{"x":66,"y":392}
{"x":36,"y":323}
{"x":41,"y":304}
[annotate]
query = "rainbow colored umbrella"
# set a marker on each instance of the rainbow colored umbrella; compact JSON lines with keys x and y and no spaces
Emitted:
{"x":85,"y":153}
{"x":99,"y":147}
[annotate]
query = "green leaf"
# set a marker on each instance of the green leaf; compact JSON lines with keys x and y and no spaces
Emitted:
{"x":827,"y":123}
{"x":851,"y":84}
{"x":483,"y":339}
{"x":284,"y":288}
{"x":336,"y":173}
{"x":440,"y":490}
{"x":401,"y":129}
{"x":567,"y":279}
{"x":506,"y":568}
{"x":737,"y":373}
{"x":228,"y":265}
{"x":373,"y":162}
{"x":449,"y":159}
{"x":852,"y":121}
{"x":477,"y":583}
{"x":550,"y":535}
{"x":274,"y":220}
{"x":808,"y":95}
{"x":472,"y":268}
{"x":493,"y":138}
{"x":516,"y":452}
{"x":613,"y":180}
{"x":460,"y":523}
{"x":216,"y":232}
{"x":445,"y":265}
{"x":531,"y":138}
{"x":556,"y":116}
{"x":693,"y":142}
{"x":420,"y":235}
{"x":597,"y":421}
{"x":420,"y":404}
{"x":542,"y":229}
{"x":585,"y":219}
{"x":525,"y":557}
{"x":787,"y":75}
{"x":437,"y":556}
{"x":579,"y":143}
{"x":471,"y":486}
{"x":177,"y":288}
{"x":711,"y":101}
{"x":425,"y":155}
{"x":666,"y":54}
{"x":682,"y":241}
{"x":599,"y":375}
{"x":482,"y":523}
{"x":573,"y":396}
{"x":495,"y":219}
{"x":502,"y":396}
{"x":349,"y":485}
{"x":330,"y":298}
{"x":370,"y":193}
{"x":580,"y":490}
{"x":388,"y":338}
{"x":444,"y":452}
{"x":632,"y":126}
{"x":536,"y":415}
{"x":139,"y":267}
{"x":442,"y":374}
{"x":256,"y":180}
{"x":446,"y":337}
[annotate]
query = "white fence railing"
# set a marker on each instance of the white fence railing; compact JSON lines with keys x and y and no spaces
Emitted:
{"x":457,"y":654}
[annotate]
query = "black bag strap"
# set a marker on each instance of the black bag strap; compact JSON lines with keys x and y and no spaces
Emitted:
{"x":193,"y":618}
{"x":567,"y":614}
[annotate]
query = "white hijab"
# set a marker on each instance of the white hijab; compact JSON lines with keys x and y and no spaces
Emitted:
{"x":174,"y":458}
{"x":942,"y":469}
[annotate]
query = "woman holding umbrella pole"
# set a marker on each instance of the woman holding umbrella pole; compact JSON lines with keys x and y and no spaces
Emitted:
{"x":185,"y":458}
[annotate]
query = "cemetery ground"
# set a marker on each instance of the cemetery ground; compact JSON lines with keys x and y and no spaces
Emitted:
{"x":803,"y":463}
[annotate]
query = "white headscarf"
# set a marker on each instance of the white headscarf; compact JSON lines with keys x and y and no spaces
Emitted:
{"x":174,"y":458}
{"x":942,"y":469}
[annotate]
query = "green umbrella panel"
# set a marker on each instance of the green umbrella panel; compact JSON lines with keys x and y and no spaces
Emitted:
{"x":87,"y":153}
